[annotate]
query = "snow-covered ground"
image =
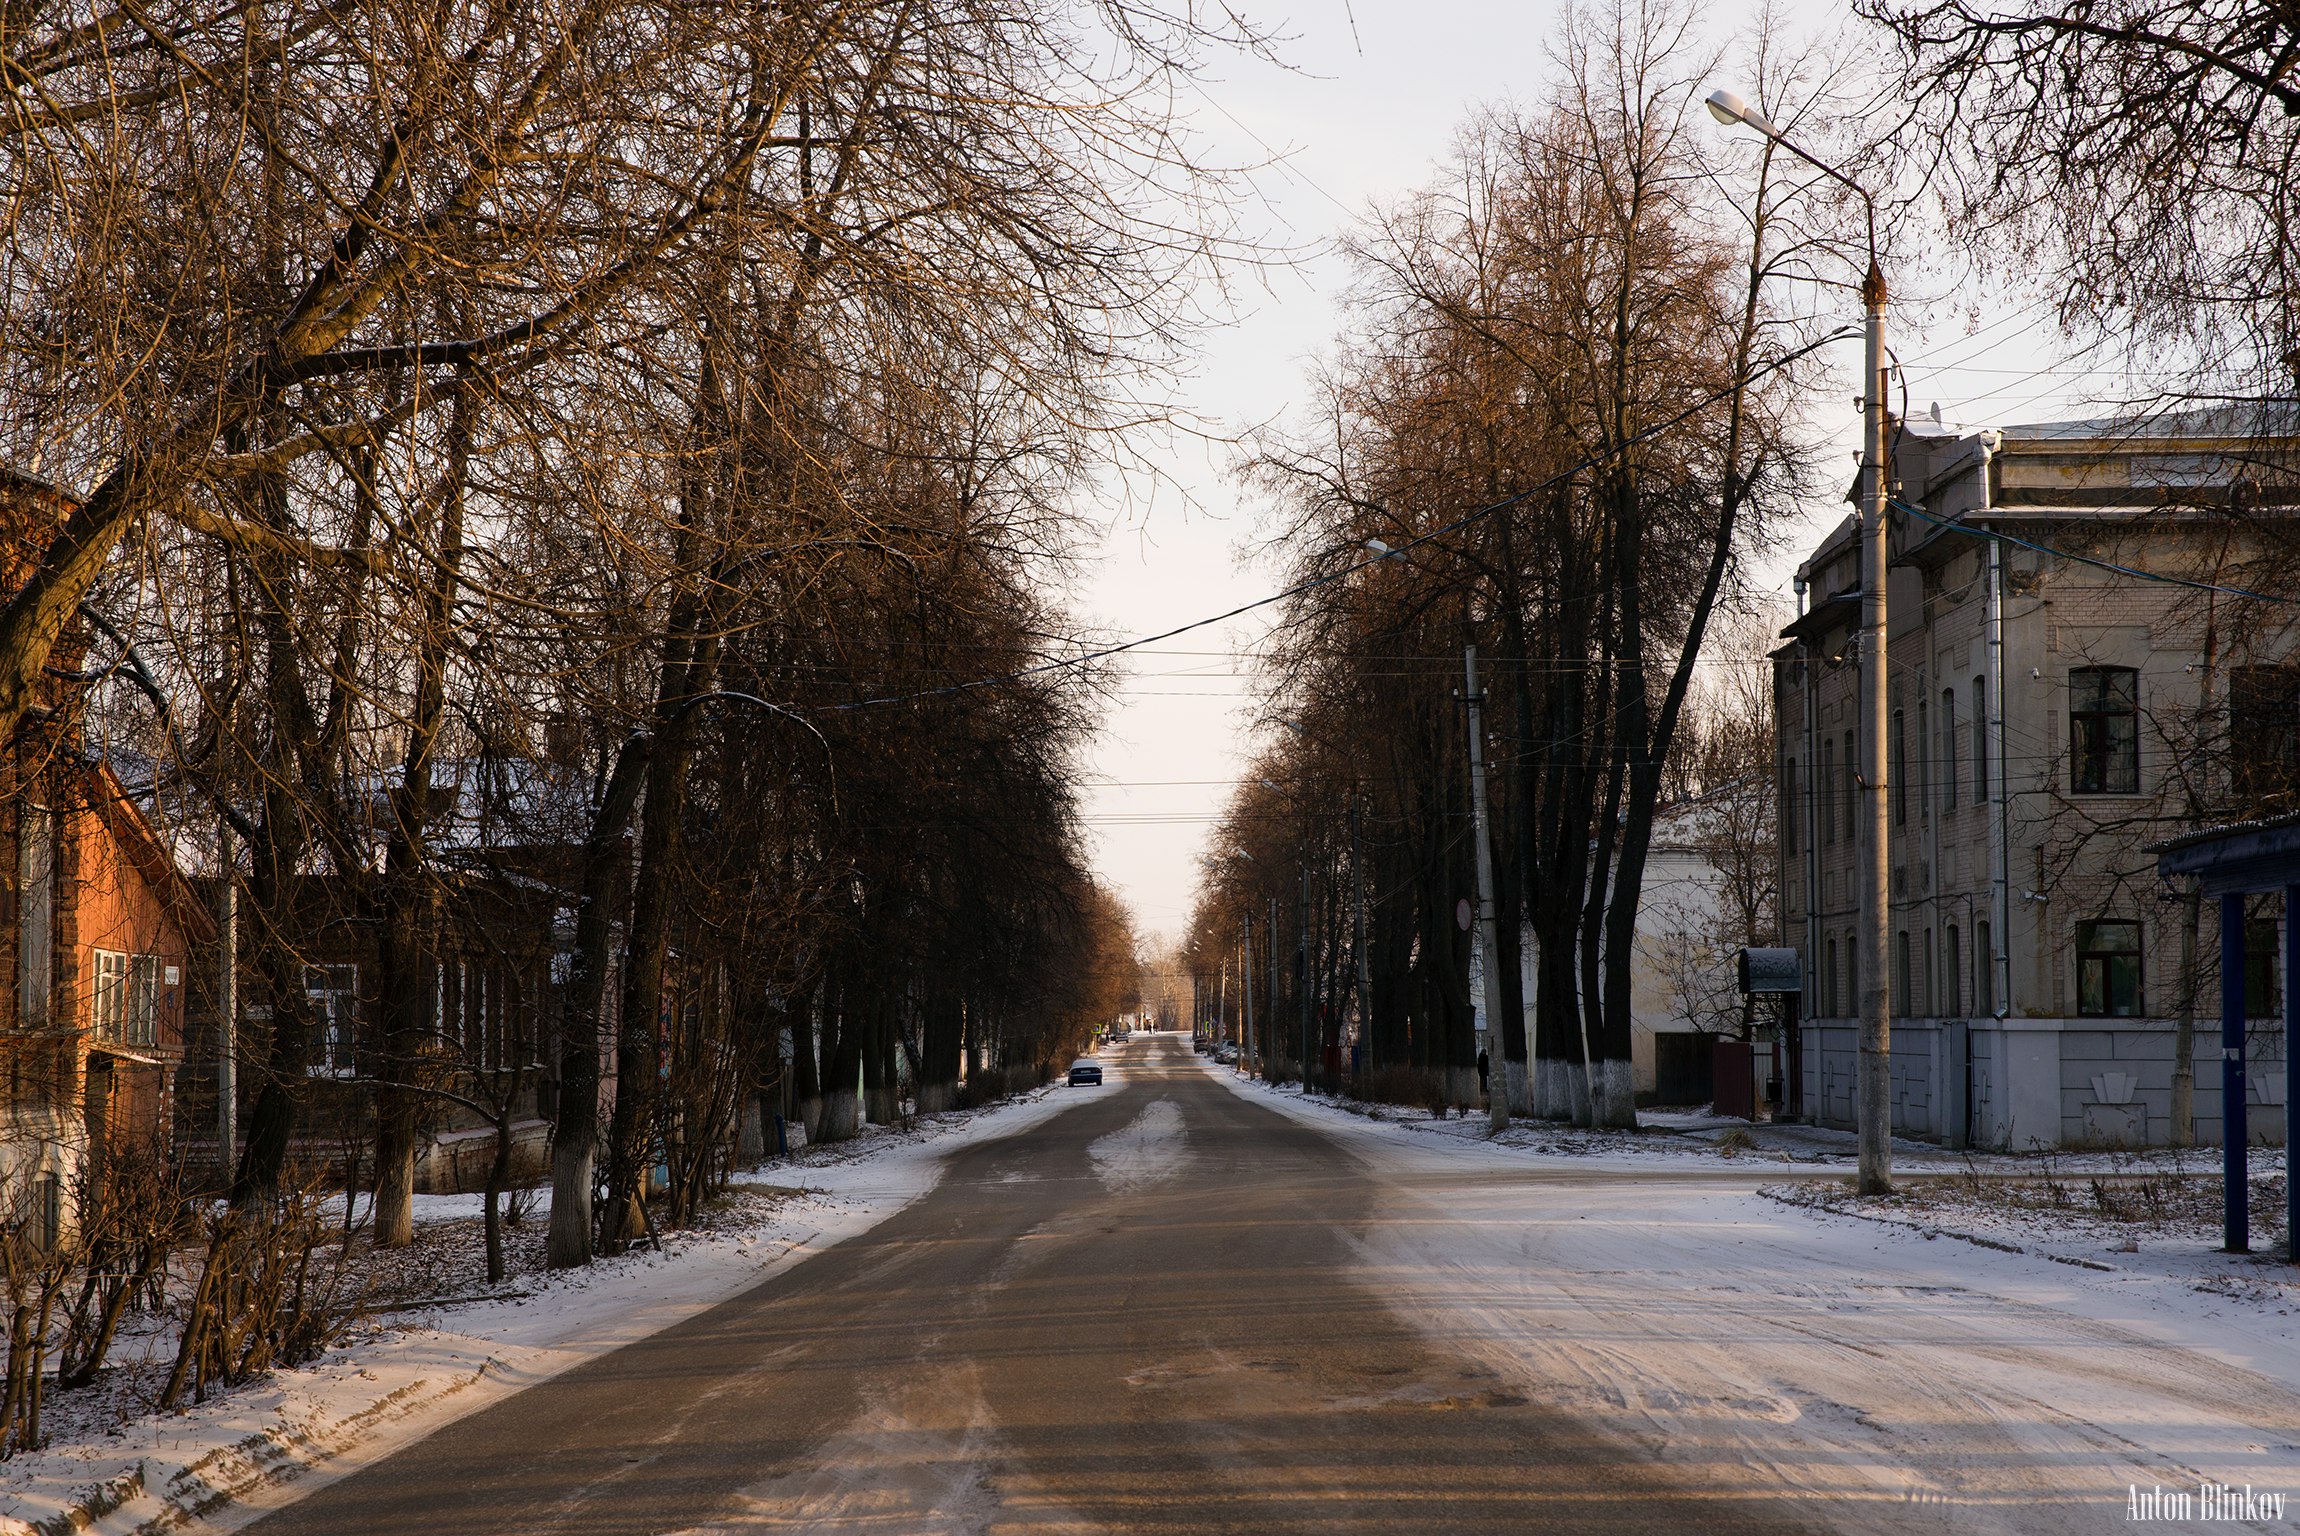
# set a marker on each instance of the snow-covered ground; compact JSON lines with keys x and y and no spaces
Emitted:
{"x":1853,"y":1353}
{"x":406,"y":1372}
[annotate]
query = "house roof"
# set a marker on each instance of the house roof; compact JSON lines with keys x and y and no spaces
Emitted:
{"x":2141,"y":468}
{"x":149,"y":853}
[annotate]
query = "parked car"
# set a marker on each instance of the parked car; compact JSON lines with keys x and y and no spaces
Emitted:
{"x":1226,"y":1053}
{"x":1083,"y":1072}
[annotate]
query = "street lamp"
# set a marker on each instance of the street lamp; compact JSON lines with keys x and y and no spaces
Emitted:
{"x":1875,"y":1114}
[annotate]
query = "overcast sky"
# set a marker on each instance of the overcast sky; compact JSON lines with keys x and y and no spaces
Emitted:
{"x":1376,"y":93}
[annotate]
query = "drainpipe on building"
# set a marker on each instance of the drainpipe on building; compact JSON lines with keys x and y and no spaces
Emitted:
{"x":2000,"y":796}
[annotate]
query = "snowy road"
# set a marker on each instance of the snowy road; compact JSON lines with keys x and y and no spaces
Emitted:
{"x":1189,"y":1306}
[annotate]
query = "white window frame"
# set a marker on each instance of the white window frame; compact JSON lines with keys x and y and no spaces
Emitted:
{"x":108,"y":995}
{"x":143,"y":1011}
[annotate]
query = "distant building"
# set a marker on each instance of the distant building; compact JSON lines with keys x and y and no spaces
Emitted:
{"x":1681,"y":975}
{"x":2049,"y":718}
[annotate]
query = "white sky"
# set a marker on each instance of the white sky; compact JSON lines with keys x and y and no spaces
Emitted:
{"x":1357,"y":127}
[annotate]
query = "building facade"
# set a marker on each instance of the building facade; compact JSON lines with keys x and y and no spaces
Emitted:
{"x":2072,"y":675}
{"x":97,"y":929}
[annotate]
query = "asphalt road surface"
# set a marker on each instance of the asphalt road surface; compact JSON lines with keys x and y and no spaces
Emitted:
{"x":1143,"y":1315}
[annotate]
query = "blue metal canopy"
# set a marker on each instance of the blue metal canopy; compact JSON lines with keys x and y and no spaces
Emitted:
{"x":2231,"y":863}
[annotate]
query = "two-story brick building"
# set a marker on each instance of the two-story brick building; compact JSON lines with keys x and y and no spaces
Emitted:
{"x":2072,"y":675}
{"x":97,"y":929}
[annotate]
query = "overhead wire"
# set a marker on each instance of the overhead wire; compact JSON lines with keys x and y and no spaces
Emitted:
{"x":1311,"y":584}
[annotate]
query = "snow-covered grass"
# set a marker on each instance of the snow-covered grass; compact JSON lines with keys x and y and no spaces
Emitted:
{"x":1850,"y":1354}
{"x":438,"y":1342}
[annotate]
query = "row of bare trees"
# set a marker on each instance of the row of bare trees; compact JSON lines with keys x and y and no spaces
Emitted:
{"x":625,"y":450}
{"x":1565,"y":408}
{"x":1575,"y":328}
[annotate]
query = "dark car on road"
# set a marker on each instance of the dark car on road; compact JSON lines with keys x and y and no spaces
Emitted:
{"x":1083,"y":1072}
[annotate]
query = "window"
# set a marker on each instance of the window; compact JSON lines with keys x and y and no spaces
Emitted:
{"x":1980,"y":740}
{"x":143,"y":1015}
{"x":1984,"y":963}
{"x":1924,"y":757}
{"x":108,"y":997}
{"x":2264,"y":736}
{"x":2262,"y":998}
{"x":1827,"y":791}
{"x":1948,"y":749}
{"x":1852,"y":788}
{"x":1952,"y":979}
{"x":1903,"y":993}
{"x":48,"y":1210}
{"x":1900,"y":769}
{"x":334,"y":994}
{"x":1827,"y":1001}
{"x":1790,"y":809}
{"x":2104,"y":730}
{"x":35,"y":915}
{"x":1925,"y":999}
{"x":2108,"y":970}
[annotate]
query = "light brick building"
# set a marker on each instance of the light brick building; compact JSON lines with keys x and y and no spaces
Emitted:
{"x":2049,"y":719}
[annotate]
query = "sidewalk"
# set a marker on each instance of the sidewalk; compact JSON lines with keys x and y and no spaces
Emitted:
{"x":113,"y":1466}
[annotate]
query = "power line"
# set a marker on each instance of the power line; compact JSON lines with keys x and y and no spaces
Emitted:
{"x":1315,"y":582}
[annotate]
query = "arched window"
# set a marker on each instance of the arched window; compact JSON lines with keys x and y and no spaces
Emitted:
{"x":1900,"y":769}
{"x":1825,"y":789}
{"x":1948,"y":749}
{"x":1852,"y":788}
{"x":1791,"y":811}
{"x":1980,"y":740}
{"x":1924,"y":758}
{"x":1952,"y":979}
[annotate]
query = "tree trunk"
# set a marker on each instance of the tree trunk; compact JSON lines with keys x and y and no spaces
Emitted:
{"x":402,"y":946}
{"x":575,"y":1131}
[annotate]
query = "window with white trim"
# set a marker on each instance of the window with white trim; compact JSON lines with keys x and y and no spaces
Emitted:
{"x":108,"y":997}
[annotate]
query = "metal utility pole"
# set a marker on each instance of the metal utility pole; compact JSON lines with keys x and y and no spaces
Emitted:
{"x":1874,"y":1085}
{"x":227,"y":1003}
{"x":1489,"y":935}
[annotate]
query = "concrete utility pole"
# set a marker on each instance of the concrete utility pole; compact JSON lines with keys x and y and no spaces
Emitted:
{"x":1489,"y":934}
{"x":1874,"y":1085}
{"x":1302,"y":972}
{"x":1246,"y":987}
{"x":1276,"y":1029}
{"x":1876,"y":1074}
{"x":1358,"y":936}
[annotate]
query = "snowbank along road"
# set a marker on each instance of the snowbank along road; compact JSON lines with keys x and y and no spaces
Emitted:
{"x":1181,"y":1306}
